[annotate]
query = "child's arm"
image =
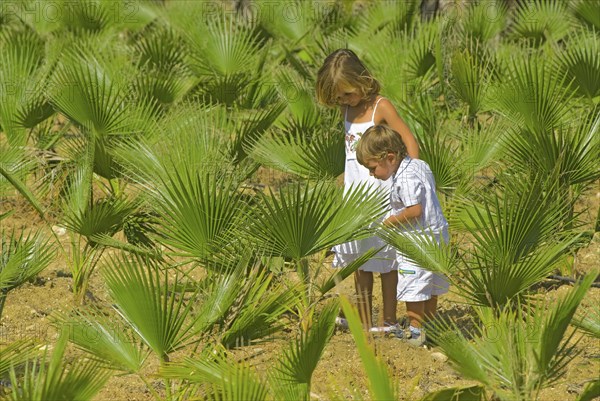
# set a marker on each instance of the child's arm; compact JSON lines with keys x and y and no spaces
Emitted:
{"x":406,"y":215}
{"x":388,"y":114}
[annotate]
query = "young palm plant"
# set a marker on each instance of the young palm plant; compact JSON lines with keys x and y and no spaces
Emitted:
{"x":216,"y":375}
{"x":53,"y":378}
{"x":161,"y":311}
{"x":516,"y":352}
{"x":304,"y":219}
{"x":23,"y":257}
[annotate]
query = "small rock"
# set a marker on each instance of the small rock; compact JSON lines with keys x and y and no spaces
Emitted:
{"x":438,"y":356}
{"x":58,"y":230}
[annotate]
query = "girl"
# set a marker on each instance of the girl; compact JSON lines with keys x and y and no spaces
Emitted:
{"x":343,"y":80}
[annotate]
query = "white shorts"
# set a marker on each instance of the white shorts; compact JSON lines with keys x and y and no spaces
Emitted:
{"x":380,"y":263}
{"x":416,"y":284}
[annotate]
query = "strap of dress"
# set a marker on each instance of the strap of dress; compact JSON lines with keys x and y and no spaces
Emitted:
{"x":374,"y":109}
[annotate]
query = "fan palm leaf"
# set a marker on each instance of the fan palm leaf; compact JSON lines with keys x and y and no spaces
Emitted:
{"x":380,"y":384}
{"x":148,"y":300}
{"x":16,"y":353}
{"x":588,"y":322}
{"x":319,"y":158}
{"x":250,"y":128}
{"x":24,"y":76}
{"x":588,"y":12}
{"x":533,"y":96}
{"x":88,"y":90}
{"x":541,"y":21}
{"x":23,"y":257}
{"x":397,"y":16}
{"x":291,"y":22}
{"x":15,"y":166}
{"x":507,"y":356}
{"x":484,"y":20}
{"x":52,"y":378}
{"x":199,"y":214}
{"x":178,"y":146}
{"x":571,"y":152}
{"x":219,"y":378}
{"x":304,"y":219}
{"x":470,"y":80}
{"x":292,"y":375}
{"x":258,"y":309}
{"x":105,"y":339}
{"x":580,"y":62}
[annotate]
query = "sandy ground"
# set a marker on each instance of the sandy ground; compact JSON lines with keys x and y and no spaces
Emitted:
{"x":416,"y":371}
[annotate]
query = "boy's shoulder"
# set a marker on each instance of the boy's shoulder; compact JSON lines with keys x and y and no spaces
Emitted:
{"x":414,"y":167}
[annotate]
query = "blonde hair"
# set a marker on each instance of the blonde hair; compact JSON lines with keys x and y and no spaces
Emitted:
{"x":343,"y":70}
{"x":377,"y":142}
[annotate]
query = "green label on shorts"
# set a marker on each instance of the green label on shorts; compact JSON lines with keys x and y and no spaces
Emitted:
{"x":402,"y":271}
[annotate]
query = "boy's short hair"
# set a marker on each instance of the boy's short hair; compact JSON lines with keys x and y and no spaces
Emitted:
{"x":377,"y":141}
{"x":343,"y":70}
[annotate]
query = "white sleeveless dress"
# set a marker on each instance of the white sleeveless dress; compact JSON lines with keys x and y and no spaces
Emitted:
{"x":355,"y":173}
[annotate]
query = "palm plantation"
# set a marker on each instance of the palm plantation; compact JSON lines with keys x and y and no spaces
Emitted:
{"x":146,"y":135}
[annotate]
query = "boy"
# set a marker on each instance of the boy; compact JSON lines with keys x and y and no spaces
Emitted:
{"x":415,"y":209}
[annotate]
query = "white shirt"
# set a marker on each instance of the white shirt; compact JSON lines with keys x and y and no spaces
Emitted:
{"x":412,"y":184}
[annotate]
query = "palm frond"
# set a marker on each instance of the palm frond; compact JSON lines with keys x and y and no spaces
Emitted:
{"x":516,"y":351}
{"x":295,"y":367}
{"x":588,"y":12}
{"x":23,"y":257}
{"x":52,"y":378}
{"x":148,"y":300}
{"x":94,"y":94}
{"x":540,"y":21}
{"x":105,"y":216}
{"x":23,"y":74}
{"x":251,"y":128}
{"x":533,"y":96}
{"x":569,"y":152}
{"x":470,"y":80}
{"x":16,"y":353}
{"x":580,"y":62}
{"x":14,"y":168}
{"x":554,"y":352}
{"x":258,"y":309}
{"x":588,"y":322}
{"x":221,"y":378}
{"x":320,"y":158}
{"x":380,"y":383}
{"x":199,"y":214}
{"x":106,"y":339}
{"x":591,"y":391}
{"x":305,"y":219}
{"x":484,"y":20}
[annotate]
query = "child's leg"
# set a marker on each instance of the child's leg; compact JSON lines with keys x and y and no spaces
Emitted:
{"x":389,"y":289}
{"x":431,"y":307}
{"x":416,"y":313}
{"x":363,"y":282}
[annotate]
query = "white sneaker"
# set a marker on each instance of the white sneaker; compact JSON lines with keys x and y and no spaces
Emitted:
{"x":341,"y":322}
{"x":386,"y":328}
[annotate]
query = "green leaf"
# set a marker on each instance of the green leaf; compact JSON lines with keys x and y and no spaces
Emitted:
{"x":304,"y":219}
{"x":380,"y":384}
{"x":104,"y":338}
{"x":52,"y":378}
{"x":296,"y":365}
{"x":472,"y":393}
{"x":147,"y":298}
